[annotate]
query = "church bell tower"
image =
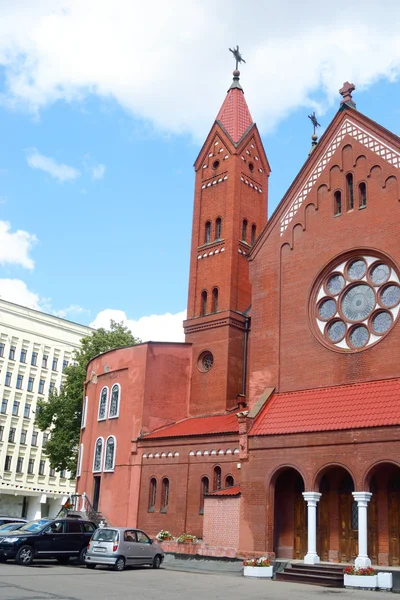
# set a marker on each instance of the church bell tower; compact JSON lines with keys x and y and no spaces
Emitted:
{"x":230,"y":210}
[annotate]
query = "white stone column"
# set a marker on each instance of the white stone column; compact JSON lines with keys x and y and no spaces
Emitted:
{"x":362,"y":499}
{"x":311,"y":558}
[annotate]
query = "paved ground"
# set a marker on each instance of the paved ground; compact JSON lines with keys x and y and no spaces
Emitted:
{"x":50,"y":581}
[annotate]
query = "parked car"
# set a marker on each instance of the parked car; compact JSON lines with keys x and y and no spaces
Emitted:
{"x":118,"y":547}
{"x":11,"y":527}
{"x":47,"y":538}
{"x":4,"y":520}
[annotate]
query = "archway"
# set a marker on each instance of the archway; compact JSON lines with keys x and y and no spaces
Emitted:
{"x":384,"y":514}
{"x":337,"y":517}
{"x":290,"y":525}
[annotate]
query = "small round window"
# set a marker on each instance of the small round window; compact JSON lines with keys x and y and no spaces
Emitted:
{"x":205,"y":361}
{"x":251,"y":167}
{"x":215,"y":164}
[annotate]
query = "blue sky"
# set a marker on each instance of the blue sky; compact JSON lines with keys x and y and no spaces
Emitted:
{"x":97,"y":149}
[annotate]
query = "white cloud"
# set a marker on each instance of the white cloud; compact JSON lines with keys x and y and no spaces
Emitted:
{"x":73,"y":310}
{"x":16,"y":246}
{"x":156,"y":58}
{"x":98,"y":171}
{"x":157,"y":328}
{"x":47,"y":164}
{"x":15,"y":290}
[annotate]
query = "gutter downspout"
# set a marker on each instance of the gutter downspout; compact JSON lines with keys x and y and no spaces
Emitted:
{"x":245,"y":344}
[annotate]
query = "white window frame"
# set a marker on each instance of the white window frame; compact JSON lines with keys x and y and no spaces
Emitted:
{"x":105,"y":453}
{"x":102,"y":454}
{"x":84,"y":412}
{"x":105,"y":387}
{"x":80,"y":455}
{"x":119,"y":401}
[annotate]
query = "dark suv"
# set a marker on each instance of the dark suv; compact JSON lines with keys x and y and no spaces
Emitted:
{"x":47,"y":538}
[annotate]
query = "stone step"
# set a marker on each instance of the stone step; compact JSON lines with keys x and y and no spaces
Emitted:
{"x":338,"y":569}
{"x":332,"y":572}
{"x":311,"y":578}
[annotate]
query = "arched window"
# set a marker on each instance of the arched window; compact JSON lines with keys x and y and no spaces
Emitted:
{"x":253,"y":234}
{"x":214,"y":307}
{"x":152,"y":494}
{"x":80,"y":456}
{"x":229,"y":482}
{"x":103,"y":404}
{"x":109,"y":457}
{"x":207,"y":233}
{"x":244,"y":230}
{"x":217,"y":478}
{"x":218,"y":228}
{"x":203,"y":310}
{"x":204,"y":485}
{"x":114,"y":401}
{"x":98,"y":455}
{"x":337,"y":203}
{"x":164,"y":494}
{"x":84,"y":412}
{"x":350,"y":191}
{"x":362,"y":195}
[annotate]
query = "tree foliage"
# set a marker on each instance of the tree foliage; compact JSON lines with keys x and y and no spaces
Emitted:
{"x":62,"y":410}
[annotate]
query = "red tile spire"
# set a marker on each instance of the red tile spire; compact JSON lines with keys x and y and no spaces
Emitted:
{"x":234,"y":114}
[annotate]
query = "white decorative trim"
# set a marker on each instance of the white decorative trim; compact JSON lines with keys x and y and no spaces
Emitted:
{"x":84,"y":412}
{"x":163,"y":455}
{"x":119,"y":401}
{"x":169,"y":454}
{"x":211,"y":253}
{"x":80,"y":456}
{"x":144,"y":455}
{"x":176,"y":454}
{"x":157,"y":455}
{"x":214,"y":182}
{"x":236,"y":451}
{"x":221,"y":451}
{"x":358,"y":133}
{"x":252,"y":185}
{"x":110,"y":437}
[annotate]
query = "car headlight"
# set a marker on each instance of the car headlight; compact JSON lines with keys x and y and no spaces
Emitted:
{"x":9,"y":540}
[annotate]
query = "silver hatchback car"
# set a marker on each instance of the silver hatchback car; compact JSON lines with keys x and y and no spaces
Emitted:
{"x":118,"y":547}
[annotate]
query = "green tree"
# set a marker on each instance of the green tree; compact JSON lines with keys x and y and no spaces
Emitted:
{"x":62,"y":410}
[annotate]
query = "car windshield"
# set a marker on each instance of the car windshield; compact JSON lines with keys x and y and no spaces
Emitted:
{"x":105,"y":535}
{"x":35,"y":526}
{"x":10,"y":526}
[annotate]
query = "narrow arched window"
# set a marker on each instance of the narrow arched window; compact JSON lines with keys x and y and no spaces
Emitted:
{"x":103,"y":404}
{"x":204,"y":485}
{"x":98,"y":455}
{"x":337,"y":203}
{"x":207,"y":233}
{"x":214,"y":307}
{"x":109,"y":457}
{"x":203,"y":310}
{"x":244,"y":230}
{"x":114,"y":401}
{"x":218,"y":228}
{"x":350,"y":191}
{"x":164,"y":494}
{"x":80,"y":457}
{"x":229,"y":482}
{"x":152,"y":494}
{"x":362,"y":195}
{"x":253,"y":234}
{"x":84,"y":412}
{"x":217,"y":478}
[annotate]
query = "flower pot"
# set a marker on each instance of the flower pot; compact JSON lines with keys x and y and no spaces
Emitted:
{"x":266,"y":572}
{"x":367,"y":582}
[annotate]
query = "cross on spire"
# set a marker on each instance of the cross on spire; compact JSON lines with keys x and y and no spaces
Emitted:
{"x":345,"y":91}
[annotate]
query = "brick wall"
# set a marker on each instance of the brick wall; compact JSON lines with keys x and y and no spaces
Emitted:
{"x":221,"y":521}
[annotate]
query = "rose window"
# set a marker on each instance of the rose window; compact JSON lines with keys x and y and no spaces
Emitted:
{"x":356,"y":302}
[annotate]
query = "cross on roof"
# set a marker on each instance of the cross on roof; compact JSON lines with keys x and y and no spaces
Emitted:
{"x":346,"y":92}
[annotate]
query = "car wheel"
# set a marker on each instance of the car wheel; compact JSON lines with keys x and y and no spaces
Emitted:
{"x":63,"y":559}
{"x":156,"y":562}
{"x":82,"y":555}
{"x":119,"y":564}
{"x":24,"y":555}
{"x":89,"y":566}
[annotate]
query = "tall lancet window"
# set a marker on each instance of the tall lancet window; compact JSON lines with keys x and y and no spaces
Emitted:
{"x":103,"y":404}
{"x":115,"y":400}
{"x":109,"y":459}
{"x":98,"y":455}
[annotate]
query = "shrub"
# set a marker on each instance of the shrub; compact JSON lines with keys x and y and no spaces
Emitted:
{"x":164,"y":535}
{"x":263,"y":561}
{"x":359,"y":571}
{"x":186,"y":538}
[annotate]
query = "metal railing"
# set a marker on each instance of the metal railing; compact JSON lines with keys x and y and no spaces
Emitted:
{"x":80,"y":503}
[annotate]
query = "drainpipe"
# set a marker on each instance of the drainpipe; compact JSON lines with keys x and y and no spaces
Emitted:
{"x":245,"y":343}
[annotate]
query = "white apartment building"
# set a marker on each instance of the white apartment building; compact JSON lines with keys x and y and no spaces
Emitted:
{"x":35,"y":348}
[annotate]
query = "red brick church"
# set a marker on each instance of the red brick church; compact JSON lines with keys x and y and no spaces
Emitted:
{"x":276,"y":426}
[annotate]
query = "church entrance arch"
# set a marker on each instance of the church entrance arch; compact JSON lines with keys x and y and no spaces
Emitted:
{"x":337,"y":517}
{"x":290,"y":516}
{"x":384,"y":514}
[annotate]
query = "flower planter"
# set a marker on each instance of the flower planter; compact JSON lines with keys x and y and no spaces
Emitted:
{"x":366,"y":582}
{"x":265,"y":572}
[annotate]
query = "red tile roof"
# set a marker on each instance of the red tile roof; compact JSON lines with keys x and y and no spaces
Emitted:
{"x":198,"y":426}
{"x":234,"y":114}
{"x":232,"y":491}
{"x":370,"y":404}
